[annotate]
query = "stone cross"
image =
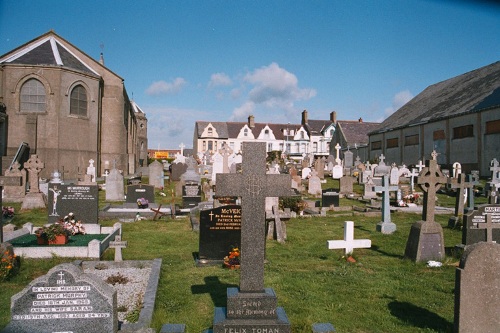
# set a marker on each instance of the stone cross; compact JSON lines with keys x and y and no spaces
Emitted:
{"x":412,"y":174}
{"x":381,"y":159}
{"x":434,"y":155}
{"x":420,"y":166}
{"x":349,"y":243}
{"x":337,"y":158}
{"x":385,"y":189}
{"x":461,"y":185}
{"x":118,"y":245}
{"x":91,"y":163}
{"x":489,"y":226}
{"x":430,"y":180}
{"x":470,"y":194}
{"x":34,"y":166}
{"x":225,"y":151}
{"x":253,"y":185}
{"x":495,"y":170}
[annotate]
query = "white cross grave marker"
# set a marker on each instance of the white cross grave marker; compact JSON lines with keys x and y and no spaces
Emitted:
{"x":349,"y":243}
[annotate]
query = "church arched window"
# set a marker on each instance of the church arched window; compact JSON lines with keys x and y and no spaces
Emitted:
{"x":78,"y":101}
{"x":32,"y":96}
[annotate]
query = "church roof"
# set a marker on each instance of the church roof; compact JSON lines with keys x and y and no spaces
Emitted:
{"x":355,"y":131}
{"x":50,"y":50}
{"x":466,"y":93}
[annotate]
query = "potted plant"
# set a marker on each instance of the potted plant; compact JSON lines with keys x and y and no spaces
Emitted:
{"x":232,"y":261}
{"x":53,"y":234}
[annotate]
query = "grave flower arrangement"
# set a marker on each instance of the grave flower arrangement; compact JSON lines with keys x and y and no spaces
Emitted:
{"x":232,"y":260}
{"x":49,"y":234}
{"x":72,"y":225}
{"x":8,"y":263}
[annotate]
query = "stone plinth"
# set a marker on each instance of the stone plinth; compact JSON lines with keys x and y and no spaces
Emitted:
{"x":425,"y":242}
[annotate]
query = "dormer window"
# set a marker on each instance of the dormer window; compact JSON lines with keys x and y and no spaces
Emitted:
{"x":210,"y":131}
{"x":245,"y":132}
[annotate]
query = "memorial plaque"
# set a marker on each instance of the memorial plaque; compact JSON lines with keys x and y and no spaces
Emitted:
{"x":430,"y":245}
{"x":226,"y":200}
{"x":81,"y":200}
{"x":476,"y":226}
{"x":191,"y":195}
{"x":220,"y":230}
{"x":139,"y":191}
{"x":64,"y":300}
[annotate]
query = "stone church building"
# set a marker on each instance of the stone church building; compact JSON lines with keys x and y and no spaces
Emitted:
{"x":458,"y":117}
{"x":68,"y":108}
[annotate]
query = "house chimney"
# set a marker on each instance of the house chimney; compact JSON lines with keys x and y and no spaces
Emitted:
{"x":333,"y":117}
{"x":251,"y":121}
{"x":101,"y":59}
{"x":304,"y":117}
{"x":360,"y":120}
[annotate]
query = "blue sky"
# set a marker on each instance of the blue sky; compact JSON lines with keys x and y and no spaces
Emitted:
{"x":184,"y":61}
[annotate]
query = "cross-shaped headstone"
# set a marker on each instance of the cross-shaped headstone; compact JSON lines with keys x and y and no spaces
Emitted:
{"x":381,"y":159}
{"x":225,"y":151}
{"x":118,"y":245}
{"x":470,"y":194}
{"x":337,"y":158}
{"x":253,"y":185}
{"x":430,"y":180}
{"x":34,"y":166}
{"x":489,"y":226}
{"x":386,"y":188}
{"x":434,"y":155}
{"x":495,"y":170}
{"x":461,"y":185}
{"x":412,"y":174}
{"x":349,"y":243}
{"x":420,"y":166}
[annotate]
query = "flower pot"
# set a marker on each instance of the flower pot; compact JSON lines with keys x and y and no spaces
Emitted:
{"x":59,"y":240}
{"x":41,"y":240}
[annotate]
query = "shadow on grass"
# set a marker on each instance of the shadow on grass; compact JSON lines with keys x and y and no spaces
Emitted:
{"x":419,"y":317}
{"x":377,"y":249}
{"x":215,"y":288}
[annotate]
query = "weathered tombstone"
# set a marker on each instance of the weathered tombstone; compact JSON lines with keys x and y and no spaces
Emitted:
{"x":346,"y":184}
{"x":217,"y":166}
{"x":368,"y":192}
{"x":252,"y":307}
{"x":386,"y":226}
{"x":34,"y":198}
{"x":191,"y":195}
{"x":394,"y":176}
{"x":306,"y":172}
{"x":81,"y":200}
{"x":348,"y":159}
{"x":135,"y":192}
{"x":426,"y":241}
{"x":337,"y":171}
{"x":319,"y":166}
{"x":314,"y":186}
{"x":382,"y":168}
{"x":457,"y":169}
{"x":156,"y":175}
{"x":64,"y":300}
{"x":412,"y":176}
{"x":461,"y":186}
{"x":114,"y":186}
{"x":15,"y":193}
{"x":348,"y":243}
{"x":177,"y":170}
{"x":225,"y":151}
{"x":220,"y":231}
{"x":329,"y":197}
{"x":338,"y":161}
{"x":482,"y":225}
{"x":477,"y":292}
{"x":118,"y":245}
{"x":473,"y":181}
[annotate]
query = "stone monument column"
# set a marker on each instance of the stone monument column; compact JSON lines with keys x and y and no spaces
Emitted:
{"x":34,"y":198}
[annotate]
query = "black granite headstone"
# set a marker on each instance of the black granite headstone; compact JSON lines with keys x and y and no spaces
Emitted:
{"x":220,"y":230}
{"x":329,"y":197}
{"x":64,"y":300}
{"x":139,"y":191}
{"x":476,"y":228}
{"x":191,"y":195}
{"x":81,"y":200}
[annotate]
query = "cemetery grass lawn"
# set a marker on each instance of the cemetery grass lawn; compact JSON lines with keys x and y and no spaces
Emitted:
{"x":381,"y":292}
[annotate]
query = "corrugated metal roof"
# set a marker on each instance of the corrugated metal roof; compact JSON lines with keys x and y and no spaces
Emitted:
{"x":462,"y":94}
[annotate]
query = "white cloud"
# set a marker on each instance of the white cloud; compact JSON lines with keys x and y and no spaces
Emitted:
{"x":272,"y":87}
{"x":400,"y":99}
{"x":219,"y":79}
{"x":166,"y":88}
{"x":241,"y":113}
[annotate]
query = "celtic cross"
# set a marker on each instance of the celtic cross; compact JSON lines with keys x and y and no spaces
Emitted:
{"x":430,"y":180}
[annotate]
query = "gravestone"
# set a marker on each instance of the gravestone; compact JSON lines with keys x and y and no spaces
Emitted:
{"x":457,"y":169}
{"x":252,"y":307}
{"x":81,"y":200}
{"x":118,"y":245}
{"x":114,"y":186}
{"x":15,"y":193}
{"x":348,"y":243}
{"x":34,"y":197}
{"x":177,"y":170}
{"x":191,"y":195}
{"x":386,"y":226}
{"x":462,"y":187}
{"x":220,"y":231}
{"x":426,"y":241}
{"x":348,"y":159}
{"x":156,"y":175}
{"x":64,"y":300}
{"x":482,"y":225}
{"x":91,"y":171}
{"x":139,"y":191}
{"x":314,"y":185}
{"x":329,"y":197}
{"x":381,"y":169}
{"x":477,"y":292}
{"x":306,"y":172}
{"x":337,"y":172}
{"x":217,"y":166}
{"x":394,"y":176}
{"x":346,"y":184}
{"x":473,"y":181}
